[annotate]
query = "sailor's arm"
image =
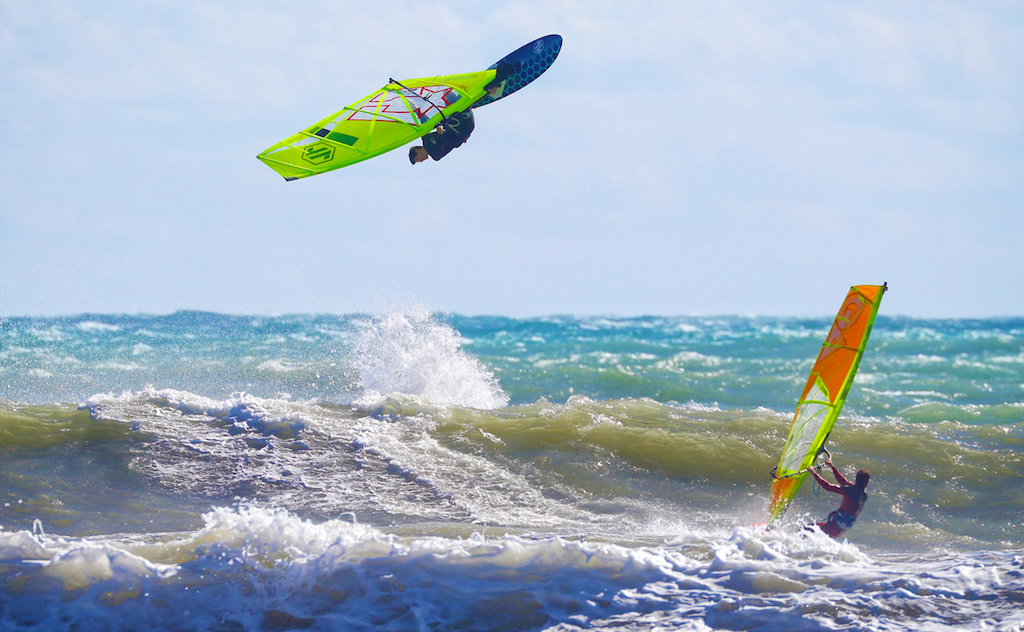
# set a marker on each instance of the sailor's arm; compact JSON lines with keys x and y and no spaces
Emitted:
{"x":827,"y":485}
{"x":839,"y":475}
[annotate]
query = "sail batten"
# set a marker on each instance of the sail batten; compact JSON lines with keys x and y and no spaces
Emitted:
{"x":822,"y":399}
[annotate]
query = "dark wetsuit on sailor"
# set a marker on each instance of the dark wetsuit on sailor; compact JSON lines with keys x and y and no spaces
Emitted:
{"x":452,"y":132}
{"x":854,"y":497}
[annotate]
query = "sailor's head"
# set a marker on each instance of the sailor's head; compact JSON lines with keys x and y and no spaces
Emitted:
{"x":418,"y":153}
{"x":862,"y":479}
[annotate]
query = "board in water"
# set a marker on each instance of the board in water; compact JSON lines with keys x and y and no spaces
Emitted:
{"x":531,"y":61}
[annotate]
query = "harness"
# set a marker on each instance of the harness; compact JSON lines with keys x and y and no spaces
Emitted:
{"x":842,"y":520}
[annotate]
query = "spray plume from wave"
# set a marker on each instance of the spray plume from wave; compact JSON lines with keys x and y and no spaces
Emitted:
{"x":414,"y":356}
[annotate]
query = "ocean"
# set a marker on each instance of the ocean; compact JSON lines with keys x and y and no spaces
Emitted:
{"x":420,"y":471}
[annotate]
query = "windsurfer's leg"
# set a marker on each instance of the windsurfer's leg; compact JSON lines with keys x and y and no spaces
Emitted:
{"x":831,"y":528}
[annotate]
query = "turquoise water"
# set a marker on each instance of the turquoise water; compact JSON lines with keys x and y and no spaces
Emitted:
{"x":422,"y":471}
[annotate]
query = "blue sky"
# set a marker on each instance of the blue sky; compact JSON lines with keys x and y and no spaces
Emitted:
{"x":678,"y":158}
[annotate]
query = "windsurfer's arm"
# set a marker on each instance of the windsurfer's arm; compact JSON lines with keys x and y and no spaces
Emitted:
{"x":839,"y":475}
{"x":827,"y":485}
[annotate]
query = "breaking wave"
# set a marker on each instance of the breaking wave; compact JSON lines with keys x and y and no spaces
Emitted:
{"x":415,"y":356}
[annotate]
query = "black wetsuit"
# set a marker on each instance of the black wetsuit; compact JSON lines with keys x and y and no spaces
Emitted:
{"x":457,"y":129}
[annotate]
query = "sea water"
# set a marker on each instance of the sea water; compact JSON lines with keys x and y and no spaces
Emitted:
{"x":415,"y":471}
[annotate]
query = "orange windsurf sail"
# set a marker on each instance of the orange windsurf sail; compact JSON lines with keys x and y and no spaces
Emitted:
{"x":825,"y":393}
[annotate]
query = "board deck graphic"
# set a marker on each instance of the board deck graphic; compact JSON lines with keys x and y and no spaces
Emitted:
{"x":533,"y":60}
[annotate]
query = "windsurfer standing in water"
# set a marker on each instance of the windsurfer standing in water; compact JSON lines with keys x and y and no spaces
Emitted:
{"x":854,"y":497}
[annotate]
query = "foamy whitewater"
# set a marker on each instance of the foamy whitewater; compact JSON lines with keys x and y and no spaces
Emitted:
{"x":434,"y":472}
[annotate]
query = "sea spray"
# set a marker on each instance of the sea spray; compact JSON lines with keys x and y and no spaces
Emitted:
{"x":415,"y":355}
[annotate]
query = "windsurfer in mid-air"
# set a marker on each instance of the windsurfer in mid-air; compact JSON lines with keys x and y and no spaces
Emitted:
{"x":854,"y":497}
{"x":454,"y":130}
{"x":450,"y":133}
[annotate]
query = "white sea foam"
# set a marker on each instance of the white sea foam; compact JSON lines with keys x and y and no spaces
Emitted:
{"x":93,"y":326}
{"x":279,"y":366}
{"x":680,"y":361}
{"x":22,"y":545}
{"x":119,"y":366}
{"x":699,"y":407}
{"x":77,"y":563}
{"x":251,"y":567}
{"x":330,"y":456}
{"x":416,"y":355}
{"x":50,"y":334}
{"x":269,"y":416}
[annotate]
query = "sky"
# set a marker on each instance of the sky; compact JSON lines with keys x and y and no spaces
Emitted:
{"x":679,"y":158}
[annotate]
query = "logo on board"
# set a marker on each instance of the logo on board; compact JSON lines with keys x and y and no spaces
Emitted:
{"x":318,"y":153}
